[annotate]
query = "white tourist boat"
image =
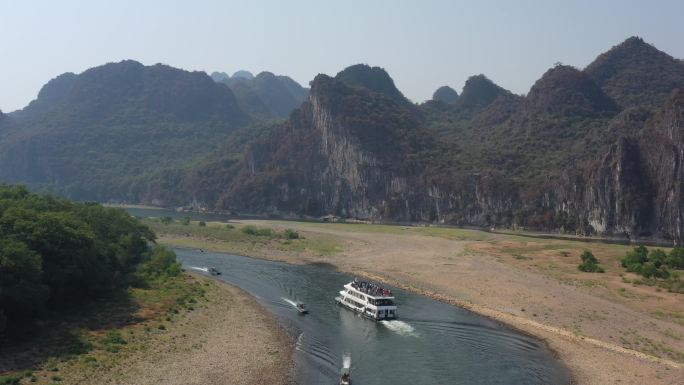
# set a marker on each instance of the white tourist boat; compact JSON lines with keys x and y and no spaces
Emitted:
{"x":368,"y":299}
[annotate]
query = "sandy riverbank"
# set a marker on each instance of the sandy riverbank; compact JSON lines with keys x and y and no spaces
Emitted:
{"x":605,"y":329}
{"x":228,"y":340}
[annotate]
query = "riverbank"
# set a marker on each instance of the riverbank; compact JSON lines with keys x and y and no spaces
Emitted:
{"x":210,"y":333}
{"x":605,"y":327}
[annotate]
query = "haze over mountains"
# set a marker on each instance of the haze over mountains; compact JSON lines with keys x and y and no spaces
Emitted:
{"x":585,"y":151}
{"x":266,"y":95}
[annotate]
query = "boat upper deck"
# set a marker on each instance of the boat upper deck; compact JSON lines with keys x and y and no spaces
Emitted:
{"x":371,"y":289}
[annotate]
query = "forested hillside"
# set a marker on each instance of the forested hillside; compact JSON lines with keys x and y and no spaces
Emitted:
{"x":575,"y":154}
{"x":105,"y":133}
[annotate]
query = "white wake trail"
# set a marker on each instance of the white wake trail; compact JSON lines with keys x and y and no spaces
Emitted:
{"x":291,"y":302}
{"x":400,"y":327}
{"x":204,"y":269}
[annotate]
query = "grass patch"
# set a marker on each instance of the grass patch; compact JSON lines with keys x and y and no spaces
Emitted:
{"x":670,"y":315}
{"x":245,"y":239}
{"x":442,"y":232}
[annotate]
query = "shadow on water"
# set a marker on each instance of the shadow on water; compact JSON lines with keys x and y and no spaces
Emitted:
{"x":431,"y":343}
{"x":323,"y":265}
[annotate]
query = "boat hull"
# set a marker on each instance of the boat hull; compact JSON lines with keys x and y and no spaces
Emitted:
{"x":361,"y":312}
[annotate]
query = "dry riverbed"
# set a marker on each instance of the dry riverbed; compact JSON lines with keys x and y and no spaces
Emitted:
{"x":605,"y":327}
{"x":211,"y":334}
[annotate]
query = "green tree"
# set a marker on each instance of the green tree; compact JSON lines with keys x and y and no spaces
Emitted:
{"x":22,"y":294}
{"x":634,"y":259}
{"x":54,"y":252}
{"x":657,"y":256}
{"x":161,"y":263}
{"x":675,"y":259}
{"x":589,"y":263}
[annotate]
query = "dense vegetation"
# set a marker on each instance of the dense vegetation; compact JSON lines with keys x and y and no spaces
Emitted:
{"x":374,"y":79}
{"x":55,"y":254}
{"x":107,"y":132}
{"x":654,"y":263}
{"x":657,"y":265}
{"x":636,"y":74}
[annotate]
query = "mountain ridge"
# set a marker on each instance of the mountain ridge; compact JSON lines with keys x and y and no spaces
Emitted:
{"x":584,"y":152}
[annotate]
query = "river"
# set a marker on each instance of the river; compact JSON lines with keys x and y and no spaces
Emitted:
{"x":431,"y":343}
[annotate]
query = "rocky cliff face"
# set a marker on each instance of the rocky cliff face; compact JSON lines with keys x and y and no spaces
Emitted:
{"x":635,"y":190}
{"x":350,"y":152}
{"x":357,"y":153}
{"x":334,"y":156}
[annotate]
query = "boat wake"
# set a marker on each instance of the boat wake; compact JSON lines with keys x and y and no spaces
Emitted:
{"x":346,"y":361}
{"x":400,"y":327}
{"x":291,"y":302}
{"x":204,"y":269}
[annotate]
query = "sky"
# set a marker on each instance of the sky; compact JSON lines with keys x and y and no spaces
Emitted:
{"x":422,"y":44}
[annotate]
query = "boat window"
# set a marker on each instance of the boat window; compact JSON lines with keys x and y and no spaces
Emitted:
{"x":384,"y":302}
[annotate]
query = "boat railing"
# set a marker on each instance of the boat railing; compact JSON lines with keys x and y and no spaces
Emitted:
{"x":371,"y":288}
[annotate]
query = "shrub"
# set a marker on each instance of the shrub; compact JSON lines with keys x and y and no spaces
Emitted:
{"x":166,"y":220}
{"x":249,"y":230}
{"x":256,"y":231}
{"x":10,"y":380}
{"x":635,"y":257}
{"x":675,"y":259}
{"x":589,"y":263}
{"x":229,"y":226}
{"x":202,"y":224}
{"x":160,"y":263}
{"x":185,"y":221}
{"x":113,"y":337}
{"x":657,"y":256}
{"x":290,"y":234}
{"x":653,"y":264}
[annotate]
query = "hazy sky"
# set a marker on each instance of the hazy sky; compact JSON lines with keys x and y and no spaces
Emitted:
{"x":422,"y":44}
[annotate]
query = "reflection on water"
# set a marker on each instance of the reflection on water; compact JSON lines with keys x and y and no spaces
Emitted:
{"x":431,"y":343}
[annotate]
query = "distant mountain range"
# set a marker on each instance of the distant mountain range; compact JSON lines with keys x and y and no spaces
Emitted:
{"x":593,"y":151}
{"x":265,"y":96}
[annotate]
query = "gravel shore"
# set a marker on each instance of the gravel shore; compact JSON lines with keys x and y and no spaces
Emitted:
{"x":230,"y":340}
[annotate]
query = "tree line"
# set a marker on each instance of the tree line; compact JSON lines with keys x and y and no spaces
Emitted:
{"x":55,"y":254}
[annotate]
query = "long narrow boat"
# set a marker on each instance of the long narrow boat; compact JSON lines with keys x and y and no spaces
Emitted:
{"x":368,"y":299}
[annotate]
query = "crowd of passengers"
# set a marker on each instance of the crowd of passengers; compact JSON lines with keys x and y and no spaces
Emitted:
{"x":371,"y":288}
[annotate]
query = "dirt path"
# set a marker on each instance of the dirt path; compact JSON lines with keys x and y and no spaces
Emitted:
{"x":604,"y":338}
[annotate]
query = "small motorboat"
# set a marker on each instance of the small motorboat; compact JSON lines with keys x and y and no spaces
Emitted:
{"x":302,"y":308}
{"x":345,"y":377}
{"x":213,"y":271}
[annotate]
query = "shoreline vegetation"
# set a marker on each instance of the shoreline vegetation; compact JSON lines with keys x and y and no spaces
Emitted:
{"x":88,"y":297}
{"x":608,"y":327}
